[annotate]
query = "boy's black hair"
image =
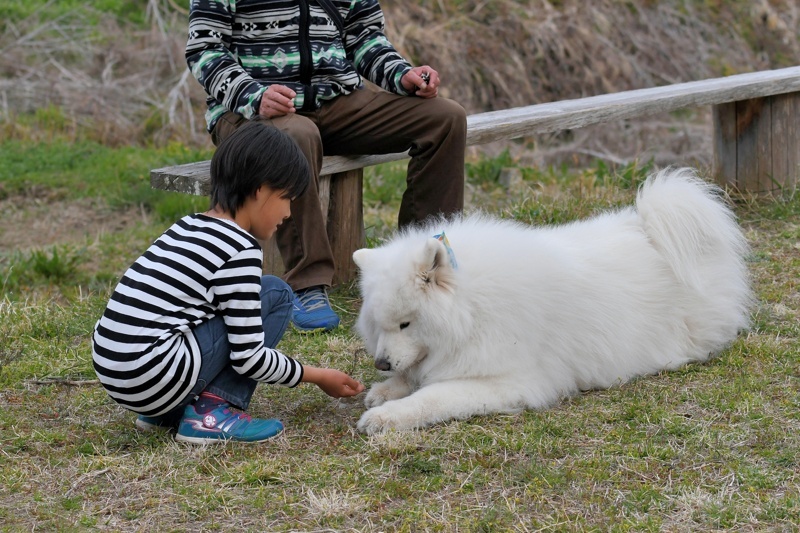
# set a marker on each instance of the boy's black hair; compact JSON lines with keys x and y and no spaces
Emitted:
{"x":256,"y":154}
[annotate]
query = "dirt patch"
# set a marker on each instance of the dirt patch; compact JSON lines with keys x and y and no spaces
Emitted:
{"x":34,"y":222}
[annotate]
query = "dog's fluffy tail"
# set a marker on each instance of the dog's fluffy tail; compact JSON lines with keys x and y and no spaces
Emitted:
{"x":692,"y":227}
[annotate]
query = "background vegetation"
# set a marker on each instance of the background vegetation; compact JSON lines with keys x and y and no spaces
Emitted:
{"x":115,"y":70}
{"x":93,"y":95}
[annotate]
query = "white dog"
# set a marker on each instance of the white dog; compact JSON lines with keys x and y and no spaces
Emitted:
{"x":510,"y":316}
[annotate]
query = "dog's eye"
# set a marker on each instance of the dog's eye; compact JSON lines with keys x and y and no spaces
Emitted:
{"x":404,"y":325}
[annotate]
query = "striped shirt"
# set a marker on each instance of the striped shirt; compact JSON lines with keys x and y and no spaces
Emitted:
{"x":144,"y":350}
{"x":237,"y":48}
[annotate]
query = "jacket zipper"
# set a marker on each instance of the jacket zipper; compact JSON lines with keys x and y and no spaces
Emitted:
{"x":306,"y":65}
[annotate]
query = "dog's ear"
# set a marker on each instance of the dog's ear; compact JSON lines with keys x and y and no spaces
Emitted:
{"x":363,"y":257}
{"x":434,"y":268}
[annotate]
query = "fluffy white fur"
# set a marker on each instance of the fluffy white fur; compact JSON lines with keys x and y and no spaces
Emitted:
{"x":532,"y":315}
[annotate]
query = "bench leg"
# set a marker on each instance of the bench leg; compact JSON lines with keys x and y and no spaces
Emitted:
{"x":346,"y":222}
{"x":273,"y":262}
{"x":341,"y":203}
{"x":757,"y":144}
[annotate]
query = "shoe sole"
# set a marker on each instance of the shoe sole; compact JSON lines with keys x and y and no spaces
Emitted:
{"x":146,"y":427}
{"x":210,"y":440}
{"x":312,"y":330}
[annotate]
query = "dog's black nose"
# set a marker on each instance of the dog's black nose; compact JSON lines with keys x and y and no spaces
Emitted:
{"x":383,"y":364}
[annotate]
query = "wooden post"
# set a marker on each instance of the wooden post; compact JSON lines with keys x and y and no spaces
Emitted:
{"x":786,"y":128}
{"x":273,"y":262}
{"x":340,"y":197}
{"x":757,"y":144}
{"x":346,"y":222}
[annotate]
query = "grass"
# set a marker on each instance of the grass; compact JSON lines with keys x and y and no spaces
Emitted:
{"x":710,"y":447}
{"x":50,"y":180}
{"x":131,"y":10}
{"x":70,"y":170}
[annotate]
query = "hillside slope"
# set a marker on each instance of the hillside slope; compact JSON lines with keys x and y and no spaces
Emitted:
{"x":119,"y":74}
{"x":504,"y":53}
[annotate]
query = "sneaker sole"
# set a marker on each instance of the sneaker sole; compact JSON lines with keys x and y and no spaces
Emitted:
{"x":147,"y":427}
{"x":321,"y":329}
{"x":211,"y":440}
{"x":301,"y":329}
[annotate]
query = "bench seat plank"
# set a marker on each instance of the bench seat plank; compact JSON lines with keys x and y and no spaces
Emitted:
{"x":569,"y":114}
{"x":754,"y":149}
{"x":193,"y":178}
{"x":517,"y":122}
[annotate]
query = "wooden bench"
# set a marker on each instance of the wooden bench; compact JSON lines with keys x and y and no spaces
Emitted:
{"x":756,"y":120}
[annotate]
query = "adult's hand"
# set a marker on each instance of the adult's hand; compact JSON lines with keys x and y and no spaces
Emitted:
{"x":424,"y":79}
{"x":278,"y":100}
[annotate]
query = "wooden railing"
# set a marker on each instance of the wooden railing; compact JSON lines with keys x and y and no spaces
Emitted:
{"x":756,"y":144}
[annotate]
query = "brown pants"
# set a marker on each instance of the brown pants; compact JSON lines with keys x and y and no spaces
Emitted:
{"x":368,"y":121}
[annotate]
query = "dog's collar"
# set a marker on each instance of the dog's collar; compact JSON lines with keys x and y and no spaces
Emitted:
{"x":441,"y":237}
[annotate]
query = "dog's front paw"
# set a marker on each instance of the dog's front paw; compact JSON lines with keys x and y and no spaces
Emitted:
{"x":376,"y":396}
{"x":382,"y":419}
{"x":380,"y":393}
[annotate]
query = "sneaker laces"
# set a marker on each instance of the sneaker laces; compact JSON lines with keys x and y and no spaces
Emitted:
{"x":312,"y":299}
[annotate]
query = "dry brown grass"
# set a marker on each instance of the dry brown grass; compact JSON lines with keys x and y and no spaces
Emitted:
{"x":501,"y":54}
{"x":124,"y":83}
{"x":114,"y":82}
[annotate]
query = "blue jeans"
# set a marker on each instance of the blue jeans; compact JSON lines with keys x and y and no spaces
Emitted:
{"x":217,"y":376}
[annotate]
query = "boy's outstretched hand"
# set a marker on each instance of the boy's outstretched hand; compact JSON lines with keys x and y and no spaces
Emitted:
{"x":332,"y":382}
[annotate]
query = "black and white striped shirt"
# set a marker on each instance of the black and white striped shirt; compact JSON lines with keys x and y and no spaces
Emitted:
{"x":144,"y":349}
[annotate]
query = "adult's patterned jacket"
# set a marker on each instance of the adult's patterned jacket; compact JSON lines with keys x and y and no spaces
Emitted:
{"x":237,"y":48}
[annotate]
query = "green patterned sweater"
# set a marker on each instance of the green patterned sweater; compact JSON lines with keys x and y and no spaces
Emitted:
{"x":238,"y":48}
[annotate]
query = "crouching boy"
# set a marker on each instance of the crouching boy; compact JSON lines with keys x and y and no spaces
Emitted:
{"x":192,"y":326}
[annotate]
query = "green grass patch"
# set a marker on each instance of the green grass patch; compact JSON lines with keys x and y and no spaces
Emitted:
{"x":707,"y":447}
{"x":130,"y":11}
{"x":69,"y":170}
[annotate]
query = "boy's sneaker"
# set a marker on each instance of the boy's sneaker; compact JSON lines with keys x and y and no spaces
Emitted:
{"x":312,"y":311}
{"x":155,"y":423}
{"x":222,"y":424}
